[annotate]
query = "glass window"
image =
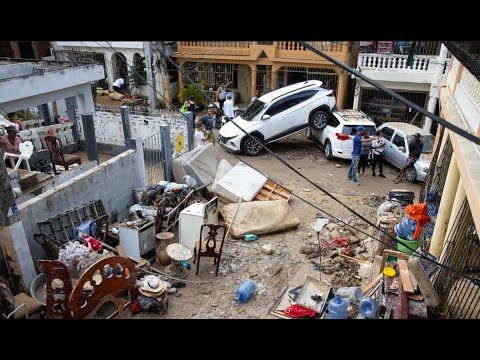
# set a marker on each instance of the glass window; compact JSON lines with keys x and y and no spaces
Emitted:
{"x":398,"y":140}
{"x":352,"y":130}
{"x":290,"y":101}
{"x":334,"y":121}
{"x":253,"y":110}
{"x":387,"y":133}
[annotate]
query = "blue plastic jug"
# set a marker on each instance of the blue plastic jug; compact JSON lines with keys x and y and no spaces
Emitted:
{"x":368,"y":308}
{"x":337,"y":308}
{"x":245,"y":290}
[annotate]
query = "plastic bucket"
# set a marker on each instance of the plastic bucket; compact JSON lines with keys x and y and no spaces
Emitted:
{"x":412,"y":244}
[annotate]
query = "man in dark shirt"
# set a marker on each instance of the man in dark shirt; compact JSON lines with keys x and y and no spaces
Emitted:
{"x":207,"y":120}
{"x":414,"y":150}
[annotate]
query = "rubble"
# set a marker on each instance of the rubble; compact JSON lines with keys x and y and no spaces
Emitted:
{"x":267,"y":249}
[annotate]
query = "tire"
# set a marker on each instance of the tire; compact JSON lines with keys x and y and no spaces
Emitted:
{"x":308,"y":132}
{"x":251,"y":147}
{"x":327,"y":150}
{"x":411,"y":174}
{"x":319,"y":119}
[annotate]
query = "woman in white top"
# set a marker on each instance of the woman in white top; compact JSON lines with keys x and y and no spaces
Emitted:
{"x":200,"y":135}
{"x":221,"y":92}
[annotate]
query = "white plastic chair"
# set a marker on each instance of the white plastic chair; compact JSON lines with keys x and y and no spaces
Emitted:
{"x":26,"y":151}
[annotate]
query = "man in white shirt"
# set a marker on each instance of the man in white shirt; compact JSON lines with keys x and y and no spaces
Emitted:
{"x":118,"y":85}
{"x":378,"y":147}
{"x":200,"y":137}
{"x":228,"y":107}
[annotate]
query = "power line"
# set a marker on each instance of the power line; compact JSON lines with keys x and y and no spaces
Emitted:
{"x":474,"y":281}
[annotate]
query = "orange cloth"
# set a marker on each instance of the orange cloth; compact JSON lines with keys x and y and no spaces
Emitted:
{"x":418,"y":212}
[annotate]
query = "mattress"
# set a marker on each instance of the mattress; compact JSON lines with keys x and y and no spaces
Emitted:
{"x":241,"y":182}
{"x":202,"y":166}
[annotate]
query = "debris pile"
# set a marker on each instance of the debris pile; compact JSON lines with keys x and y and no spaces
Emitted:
{"x":344,"y":272}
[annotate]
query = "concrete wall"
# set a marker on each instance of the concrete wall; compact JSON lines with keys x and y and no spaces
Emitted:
{"x":14,"y":70}
{"x":112,"y":182}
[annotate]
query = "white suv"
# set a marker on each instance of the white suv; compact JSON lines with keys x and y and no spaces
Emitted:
{"x":335,"y":133}
{"x":278,"y":114}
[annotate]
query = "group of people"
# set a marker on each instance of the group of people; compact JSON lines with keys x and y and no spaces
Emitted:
{"x":364,"y":144}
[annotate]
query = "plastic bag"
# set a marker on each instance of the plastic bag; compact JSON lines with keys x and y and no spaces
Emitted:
{"x":190,"y":181}
{"x":183,"y":109}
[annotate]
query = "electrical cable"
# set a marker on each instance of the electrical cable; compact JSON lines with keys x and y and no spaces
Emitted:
{"x":474,"y":281}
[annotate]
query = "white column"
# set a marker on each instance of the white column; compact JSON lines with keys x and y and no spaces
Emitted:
{"x":434,"y":93}
{"x":356,"y":96}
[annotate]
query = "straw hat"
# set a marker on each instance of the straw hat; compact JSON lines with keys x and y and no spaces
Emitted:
{"x":152,"y":286}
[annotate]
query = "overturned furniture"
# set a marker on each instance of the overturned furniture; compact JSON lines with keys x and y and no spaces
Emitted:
{"x":100,"y":283}
{"x":56,"y":231}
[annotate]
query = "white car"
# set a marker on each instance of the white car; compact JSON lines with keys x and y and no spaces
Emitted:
{"x":335,"y":133}
{"x":398,"y":136}
{"x":278,"y":114}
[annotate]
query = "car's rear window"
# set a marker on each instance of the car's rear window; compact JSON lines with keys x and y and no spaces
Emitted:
{"x":352,"y":130}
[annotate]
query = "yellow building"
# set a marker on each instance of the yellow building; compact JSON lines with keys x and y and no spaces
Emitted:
{"x":255,"y":68}
{"x":455,"y":177}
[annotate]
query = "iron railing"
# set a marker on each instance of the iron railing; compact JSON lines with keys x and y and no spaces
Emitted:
{"x":382,"y":107}
{"x":468,"y":53}
{"x":459,"y":297}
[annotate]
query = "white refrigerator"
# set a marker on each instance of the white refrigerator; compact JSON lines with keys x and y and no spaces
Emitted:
{"x":193,"y":217}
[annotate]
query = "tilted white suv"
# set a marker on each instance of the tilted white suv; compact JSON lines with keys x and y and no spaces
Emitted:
{"x":278,"y":114}
{"x":335,"y":133}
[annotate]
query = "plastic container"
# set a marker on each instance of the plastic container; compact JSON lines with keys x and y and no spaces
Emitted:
{"x":368,"y":308}
{"x":412,"y":244}
{"x":406,"y":227}
{"x":84,"y":228}
{"x":250,"y":237}
{"x":352,"y":295}
{"x":337,"y":308}
{"x":245,"y":290}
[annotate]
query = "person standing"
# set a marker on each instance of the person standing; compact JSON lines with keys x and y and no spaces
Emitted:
{"x":221,"y":94}
{"x":414,"y":150}
{"x":364,"y":155}
{"x":228,"y":107}
{"x":118,"y":85}
{"x":378,"y":147}
{"x":199,"y":135}
{"x":191,"y":106}
{"x":357,"y":151}
{"x":207,"y":120}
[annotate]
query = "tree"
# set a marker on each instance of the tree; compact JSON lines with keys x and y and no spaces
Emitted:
{"x":137,"y":76}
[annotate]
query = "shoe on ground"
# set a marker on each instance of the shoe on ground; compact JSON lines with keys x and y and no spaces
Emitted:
{"x":381,"y":175}
{"x":355,"y":183}
{"x":373,"y":174}
{"x":348,"y":178}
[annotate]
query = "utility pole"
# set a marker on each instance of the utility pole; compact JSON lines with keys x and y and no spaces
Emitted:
{"x":152,"y":94}
{"x":164,"y":73}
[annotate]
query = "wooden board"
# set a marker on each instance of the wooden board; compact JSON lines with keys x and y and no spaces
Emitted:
{"x":273,"y":191}
{"x":366,"y":288}
{"x":405,"y":277}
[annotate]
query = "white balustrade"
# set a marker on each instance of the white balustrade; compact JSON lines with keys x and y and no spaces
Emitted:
{"x":36,"y":135}
{"x":394,"y":62}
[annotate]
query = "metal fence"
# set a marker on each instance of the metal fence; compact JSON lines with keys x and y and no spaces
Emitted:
{"x":468,"y":53}
{"x":382,"y":107}
{"x":459,"y":297}
{"x":401,"y":47}
{"x":154,"y":159}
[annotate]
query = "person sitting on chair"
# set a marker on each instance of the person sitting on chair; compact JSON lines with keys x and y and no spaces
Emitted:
{"x":10,"y":142}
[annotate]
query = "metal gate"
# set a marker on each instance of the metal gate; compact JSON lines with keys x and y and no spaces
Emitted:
{"x":459,"y":297}
{"x":288,"y":75}
{"x":154,"y":159}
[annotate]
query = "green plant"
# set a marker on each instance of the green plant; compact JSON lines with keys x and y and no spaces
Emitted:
{"x":137,"y":77}
{"x":190,"y":90}
{"x":24,"y":115}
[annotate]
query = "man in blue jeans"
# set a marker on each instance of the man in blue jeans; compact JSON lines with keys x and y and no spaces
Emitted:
{"x":357,"y":151}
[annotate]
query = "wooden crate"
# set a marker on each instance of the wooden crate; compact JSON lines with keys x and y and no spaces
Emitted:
{"x":273,"y":191}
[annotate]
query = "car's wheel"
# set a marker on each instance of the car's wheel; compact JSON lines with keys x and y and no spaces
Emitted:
{"x":328,"y":150}
{"x":411,"y":174}
{"x":252,"y":146}
{"x":319,"y":119}
{"x":309,"y":133}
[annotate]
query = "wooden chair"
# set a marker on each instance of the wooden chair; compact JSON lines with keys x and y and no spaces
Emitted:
{"x":100,"y":283}
{"x":210,"y":247}
{"x":56,"y":153}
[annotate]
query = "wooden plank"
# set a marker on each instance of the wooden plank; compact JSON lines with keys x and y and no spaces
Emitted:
{"x":121,"y":251}
{"x":401,"y":310}
{"x":405,"y":277}
{"x":272,"y":191}
{"x":367,"y":288}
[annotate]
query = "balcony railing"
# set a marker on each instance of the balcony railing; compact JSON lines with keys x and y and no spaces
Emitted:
{"x":36,"y":135}
{"x":468,"y":53}
{"x":392,"y":62}
{"x":428,"y":48}
{"x":216,"y":44}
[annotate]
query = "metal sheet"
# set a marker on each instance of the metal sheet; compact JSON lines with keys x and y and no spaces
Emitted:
{"x":310,"y":288}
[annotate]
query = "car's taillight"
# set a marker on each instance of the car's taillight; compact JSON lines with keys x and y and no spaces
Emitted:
{"x":342,"y":136}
